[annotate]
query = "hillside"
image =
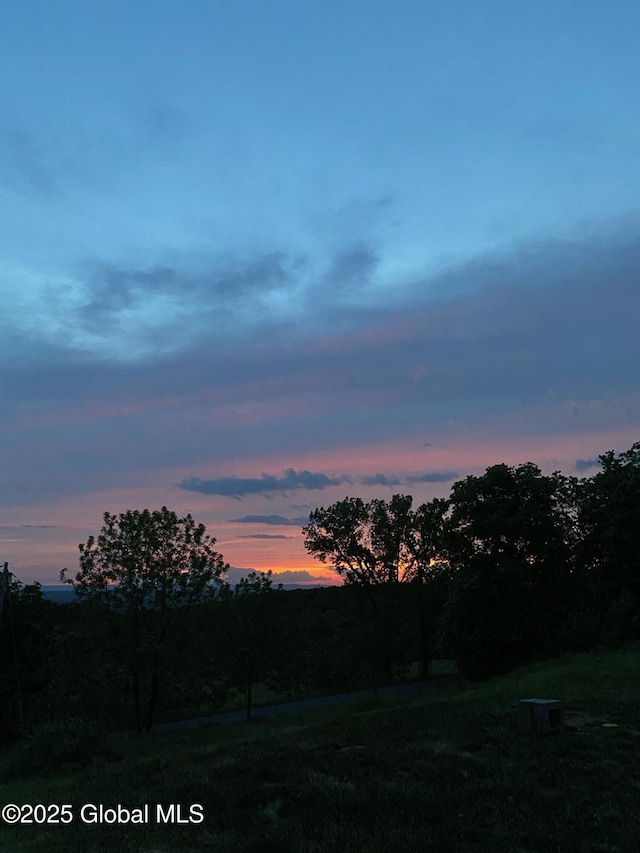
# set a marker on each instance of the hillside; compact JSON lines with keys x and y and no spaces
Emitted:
{"x":447,"y":771}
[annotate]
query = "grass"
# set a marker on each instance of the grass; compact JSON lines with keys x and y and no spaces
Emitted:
{"x":443,"y":772}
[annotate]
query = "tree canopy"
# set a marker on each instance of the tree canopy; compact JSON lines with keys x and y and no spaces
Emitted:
{"x":609,"y":516}
{"x":148,"y":559}
{"x":379,"y":542}
{"x":143,"y":569}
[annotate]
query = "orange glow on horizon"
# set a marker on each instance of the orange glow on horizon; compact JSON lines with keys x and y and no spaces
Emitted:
{"x":40,"y":539}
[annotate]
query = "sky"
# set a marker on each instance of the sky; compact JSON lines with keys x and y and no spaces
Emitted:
{"x":257,"y":257}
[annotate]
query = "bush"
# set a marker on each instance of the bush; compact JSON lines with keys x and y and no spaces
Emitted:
{"x":54,"y":746}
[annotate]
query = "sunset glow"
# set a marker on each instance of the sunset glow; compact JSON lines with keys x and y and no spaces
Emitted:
{"x":306,"y":260}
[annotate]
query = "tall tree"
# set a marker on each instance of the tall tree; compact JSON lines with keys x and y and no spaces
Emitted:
{"x":143,"y":568}
{"x":610,"y":518}
{"x":608,"y":564}
{"x":378,"y":545}
{"x":510,"y":544}
{"x":366,"y":544}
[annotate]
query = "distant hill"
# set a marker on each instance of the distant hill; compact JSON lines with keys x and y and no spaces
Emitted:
{"x":61,"y":594}
{"x":65,"y":594}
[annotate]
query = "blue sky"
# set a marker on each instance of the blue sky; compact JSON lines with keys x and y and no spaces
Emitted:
{"x":256,"y":256}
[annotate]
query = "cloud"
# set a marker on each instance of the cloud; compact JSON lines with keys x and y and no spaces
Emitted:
{"x":585,"y":464}
{"x":300,"y":577}
{"x":264,"y":536}
{"x":380,"y":480}
{"x":264,"y":273}
{"x":28,"y":526}
{"x":303,"y":577}
{"x":114,"y":290}
{"x":434,"y":477}
{"x":193,"y":287}
{"x":233,"y":574}
{"x":352,"y":267}
{"x":275,"y":520}
{"x":505,"y":342}
{"x":267,"y":484}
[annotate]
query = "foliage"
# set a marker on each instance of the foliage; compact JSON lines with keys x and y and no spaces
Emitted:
{"x":513,"y":567}
{"x":508,"y":516}
{"x":25,"y":659}
{"x":511,"y":550}
{"x":248,"y":619}
{"x":143,"y":570}
{"x":341,"y":533}
{"x":151,"y":561}
{"x":380,"y":542}
{"x":428,"y":535}
{"x":326,"y":632}
{"x":378,"y":545}
{"x":609,"y":516}
{"x":297,"y":635}
{"x":91,"y":669}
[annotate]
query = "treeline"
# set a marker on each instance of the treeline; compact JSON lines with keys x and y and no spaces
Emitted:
{"x":513,"y":567}
{"x":81,"y":660}
{"x":533,"y":564}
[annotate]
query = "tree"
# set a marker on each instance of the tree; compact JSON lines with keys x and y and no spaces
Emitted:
{"x":25,"y":650}
{"x":610,"y":518}
{"x":142,"y":570}
{"x":507,"y":514}
{"x":250,"y":628}
{"x":432,"y":573}
{"x":377,"y":546}
{"x":366,"y":544}
{"x":608,"y":563}
{"x":510,"y":543}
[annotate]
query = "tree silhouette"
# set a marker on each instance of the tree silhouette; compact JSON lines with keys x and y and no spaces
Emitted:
{"x":142,"y":570}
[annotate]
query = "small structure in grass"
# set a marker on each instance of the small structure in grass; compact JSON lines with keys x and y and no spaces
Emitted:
{"x":540,"y":716}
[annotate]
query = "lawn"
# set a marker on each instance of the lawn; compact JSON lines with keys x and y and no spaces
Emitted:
{"x":444,"y":772}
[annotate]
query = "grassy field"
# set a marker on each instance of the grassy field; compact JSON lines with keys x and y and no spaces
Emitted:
{"x":445,"y":772}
